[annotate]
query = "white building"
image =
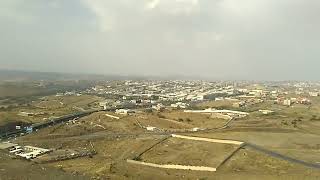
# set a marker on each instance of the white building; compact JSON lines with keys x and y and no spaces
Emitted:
{"x":124,"y":111}
{"x":180,"y":105}
{"x":195,"y":129}
{"x":314,"y":94}
{"x":29,"y":152}
{"x":287,"y":102}
{"x":158,"y":107}
{"x":25,"y":114}
{"x":266,"y":112}
{"x":150,"y":128}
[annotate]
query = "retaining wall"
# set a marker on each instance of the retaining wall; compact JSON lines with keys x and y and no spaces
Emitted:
{"x":111,"y":116}
{"x":208,"y":139}
{"x":172,"y":166}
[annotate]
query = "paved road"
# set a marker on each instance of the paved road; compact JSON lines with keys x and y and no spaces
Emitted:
{"x":283,"y":157}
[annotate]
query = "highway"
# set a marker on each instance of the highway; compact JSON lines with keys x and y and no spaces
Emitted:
{"x":281,"y":156}
{"x":51,"y":122}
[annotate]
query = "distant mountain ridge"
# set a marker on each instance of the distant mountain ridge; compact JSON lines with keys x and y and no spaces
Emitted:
{"x":20,"y":75}
{"x":17,"y":75}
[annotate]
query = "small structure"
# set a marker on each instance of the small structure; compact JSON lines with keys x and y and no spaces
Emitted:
{"x":314,"y":94}
{"x":104,"y":104}
{"x":195,"y":129}
{"x":158,"y":107}
{"x":16,"y":150}
{"x":26,"y":152}
{"x":304,"y":101}
{"x":30,"y":152}
{"x":287,"y":102}
{"x":124,"y":111}
{"x":150,"y":128}
{"x":239,"y":104}
{"x":180,"y":105}
{"x":266,"y":112}
{"x":25,"y":114}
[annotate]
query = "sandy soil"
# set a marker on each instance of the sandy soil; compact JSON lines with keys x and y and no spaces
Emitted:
{"x":178,"y":151}
{"x":123,"y":139}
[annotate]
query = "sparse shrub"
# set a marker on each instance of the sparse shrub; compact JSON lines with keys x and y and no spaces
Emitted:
{"x":189,"y":120}
{"x":138,"y":158}
{"x":180,"y":120}
{"x":284,"y":123}
{"x":203,"y":178}
{"x":314,"y":118}
{"x":112,"y":168}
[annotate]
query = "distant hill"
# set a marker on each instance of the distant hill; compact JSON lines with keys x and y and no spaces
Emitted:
{"x":19,"y":75}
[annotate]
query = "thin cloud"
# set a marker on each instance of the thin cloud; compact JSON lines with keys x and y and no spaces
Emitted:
{"x":249,"y":39}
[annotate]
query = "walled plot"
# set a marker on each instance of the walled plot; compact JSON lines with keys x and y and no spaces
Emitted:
{"x":188,"y":153}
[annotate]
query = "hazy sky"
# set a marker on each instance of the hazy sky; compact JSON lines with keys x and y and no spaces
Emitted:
{"x":229,"y":39}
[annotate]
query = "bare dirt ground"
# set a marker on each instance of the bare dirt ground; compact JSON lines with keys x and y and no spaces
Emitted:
{"x":194,"y":119}
{"x":177,"y":151}
{"x":118,"y":140}
{"x":47,"y":107}
{"x":17,"y":169}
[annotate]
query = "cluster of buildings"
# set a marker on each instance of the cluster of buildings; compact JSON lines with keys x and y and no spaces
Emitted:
{"x":178,"y":94}
{"x":160,"y":94}
{"x":290,"y":101}
{"x":68,"y":93}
